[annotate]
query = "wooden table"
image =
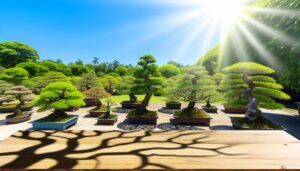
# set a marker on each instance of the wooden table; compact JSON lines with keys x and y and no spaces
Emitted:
{"x":226,"y":150}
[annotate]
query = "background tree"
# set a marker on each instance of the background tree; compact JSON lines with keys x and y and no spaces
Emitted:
{"x":34,"y":69}
{"x":12,"y":53}
{"x":210,"y":60}
{"x":78,"y":70}
{"x":15,"y":75}
{"x":56,"y":66}
{"x":20,"y":93}
{"x":32,"y":83}
{"x":88,"y":81}
{"x":179,"y":65}
{"x":4,"y":86}
{"x":126,"y":87}
{"x":148,"y":79}
{"x":111,"y":83}
{"x":194,"y":86}
{"x":50,"y":77}
{"x":169,"y":70}
{"x":246,"y":81}
{"x":95,"y":61}
{"x":121,"y":70}
{"x":59,"y":96}
{"x":2,"y":69}
{"x":97,"y":94}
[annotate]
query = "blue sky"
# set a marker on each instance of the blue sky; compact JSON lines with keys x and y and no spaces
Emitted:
{"x":108,"y":29}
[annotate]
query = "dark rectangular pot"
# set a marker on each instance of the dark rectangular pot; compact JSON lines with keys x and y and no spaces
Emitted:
{"x":96,"y":113}
{"x":90,"y":102}
{"x":16,"y":120}
{"x":238,"y":127}
{"x":36,"y":125}
{"x":9,"y":110}
{"x":193,"y":121}
{"x":107,"y":121}
{"x":236,"y":109}
{"x":142,"y":120}
{"x":129,"y":105}
{"x":210,"y":109}
{"x":173,"y":105}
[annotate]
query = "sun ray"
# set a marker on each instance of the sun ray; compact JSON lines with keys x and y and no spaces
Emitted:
{"x":274,"y":11}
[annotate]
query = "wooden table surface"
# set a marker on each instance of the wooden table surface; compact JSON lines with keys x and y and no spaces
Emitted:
{"x":226,"y":150}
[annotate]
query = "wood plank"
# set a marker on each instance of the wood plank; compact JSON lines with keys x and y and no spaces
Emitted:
{"x":150,"y":150}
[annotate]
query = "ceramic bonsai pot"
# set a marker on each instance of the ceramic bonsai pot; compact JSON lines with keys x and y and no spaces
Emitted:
{"x":130,"y":105}
{"x":90,"y":102}
{"x":96,"y":113}
{"x":142,"y":119}
{"x":212,"y":109}
{"x":173,"y":105}
{"x":235,"y":109}
{"x":20,"y":119}
{"x":112,"y":121}
{"x":40,"y":125}
{"x":193,"y":120}
{"x":239,"y":127}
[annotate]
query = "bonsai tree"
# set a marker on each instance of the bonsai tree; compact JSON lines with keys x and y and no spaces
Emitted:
{"x":96,"y":93}
{"x":109,"y":102}
{"x":126,"y":87}
{"x":193,"y":87}
{"x":20,"y":93}
{"x":59,"y":96}
{"x":147,"y":79}
{"x":88,"y":81}
{"x":4,"y":86}
{"x":15,"y":75}
{"x":250,"y":83}
{"x":111,"y":83}
{"x":51,"y":77}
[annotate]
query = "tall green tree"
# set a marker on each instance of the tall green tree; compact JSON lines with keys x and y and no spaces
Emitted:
{"x":169,"y":70}
{"x":34,"y":69}
{"x":148,"y":79}
{"x":88,"y":81}
{"x":12,"y":53}
{"x":15,"y":75}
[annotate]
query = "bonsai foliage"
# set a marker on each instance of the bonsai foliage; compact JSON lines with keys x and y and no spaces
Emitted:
{"x":126,"y":87}
{"x":169,"y":70}
{"x":88,"y":81}
{"x":20,"y":93}
{"x":109,"y":102}
{"x":168,"y":86}
{"x":4,"y":86}
{"x":148,"y":79}
{"x":51,"y":77}
{"x":15,"y":75}
{"x":97,"y":94}
{"x":247,"y":82}
{"x":195,"y":86}
{"x":111,"y":83}
{"x":59,"y":96}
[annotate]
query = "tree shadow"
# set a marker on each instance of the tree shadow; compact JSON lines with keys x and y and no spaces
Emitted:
{"x":125,"y":125}
{"x":70,"y":156}
{"x":222,"y":127}
{"x":173,"y":126}
{"x":290,"y":123}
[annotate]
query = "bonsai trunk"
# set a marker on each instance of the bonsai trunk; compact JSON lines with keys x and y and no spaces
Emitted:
{"x":190,"y":106}
{"x":253,"y":113}
{"x":208,"y":103}
{"x":99,"y":104}
{"x":107,"y":113}
{"x":59,"y":113}
{"x":145,"y":103}
{"x":18,"y":108}
{"x":133,"y":98}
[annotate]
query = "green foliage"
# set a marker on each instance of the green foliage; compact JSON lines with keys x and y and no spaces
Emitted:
{"x":169,"y":70}
{"x":126,"y":85}
{"x":13,"y":53}
{"x":194,"y":113}
{"x":33,"y":68}
{"x":121,"y":70}
{"x":195,"y":85}
{"x":2,"y":69}
{"x":210,"y":60}
{"x":56,"y":66}
{"x":4,"y":86}
{"x":265,"y":87}
{"x":51,"y":77}
{"x":95,"y":93}
{"x":110,"y":83}
{"x":15,"y":75}
{"x":78,"y":70}
{"x":88,"y":81}
{"x":59,"y":96}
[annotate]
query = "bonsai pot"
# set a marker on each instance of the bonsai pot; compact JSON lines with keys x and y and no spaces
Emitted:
{"x":142,"y":119}
{"x":96,"y":113}
{"x":298,"y":104}
{"x":109,"y":121}
{"x":192,"y":120}
{"x":212,"y":109}
{"x":167,"y":110}
{"x":90,"y":102}
{"x":130,"y":105}
{"x":173,"y":105}
{"x":39,"y":124}
{"x":14,"y":120}
{"x":4,"y":109}
{"x":236,"y":125}
{"x":235,"y":109}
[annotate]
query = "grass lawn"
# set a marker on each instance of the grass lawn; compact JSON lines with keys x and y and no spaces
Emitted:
{"x":154,"y":99}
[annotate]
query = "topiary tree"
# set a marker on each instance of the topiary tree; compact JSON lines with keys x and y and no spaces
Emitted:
{"x":59,"y":96}
{"x":97,"y":94}
{"x":251,"y":83}
{"x":88,"y":81}
{"x":195,"y":86}
{"x":148,"y":79}
{"x":15,"y":75}
{"x":20,"y":93}
{"x":169,"y":70}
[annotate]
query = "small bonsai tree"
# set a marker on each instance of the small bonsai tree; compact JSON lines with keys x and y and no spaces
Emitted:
{"x":148,"y":80}
{"x":109,"y":102}
{"x":250,"y":83}
{"x":20,"y":93}
{"x":97,"y":94}
{"x":59,"y":96}
{"x":193,"y":87}
{"x":15,"y":75}
{"x":88,"y":81}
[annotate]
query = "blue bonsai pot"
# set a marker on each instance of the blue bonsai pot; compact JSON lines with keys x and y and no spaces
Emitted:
{"x":40,"y":125}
